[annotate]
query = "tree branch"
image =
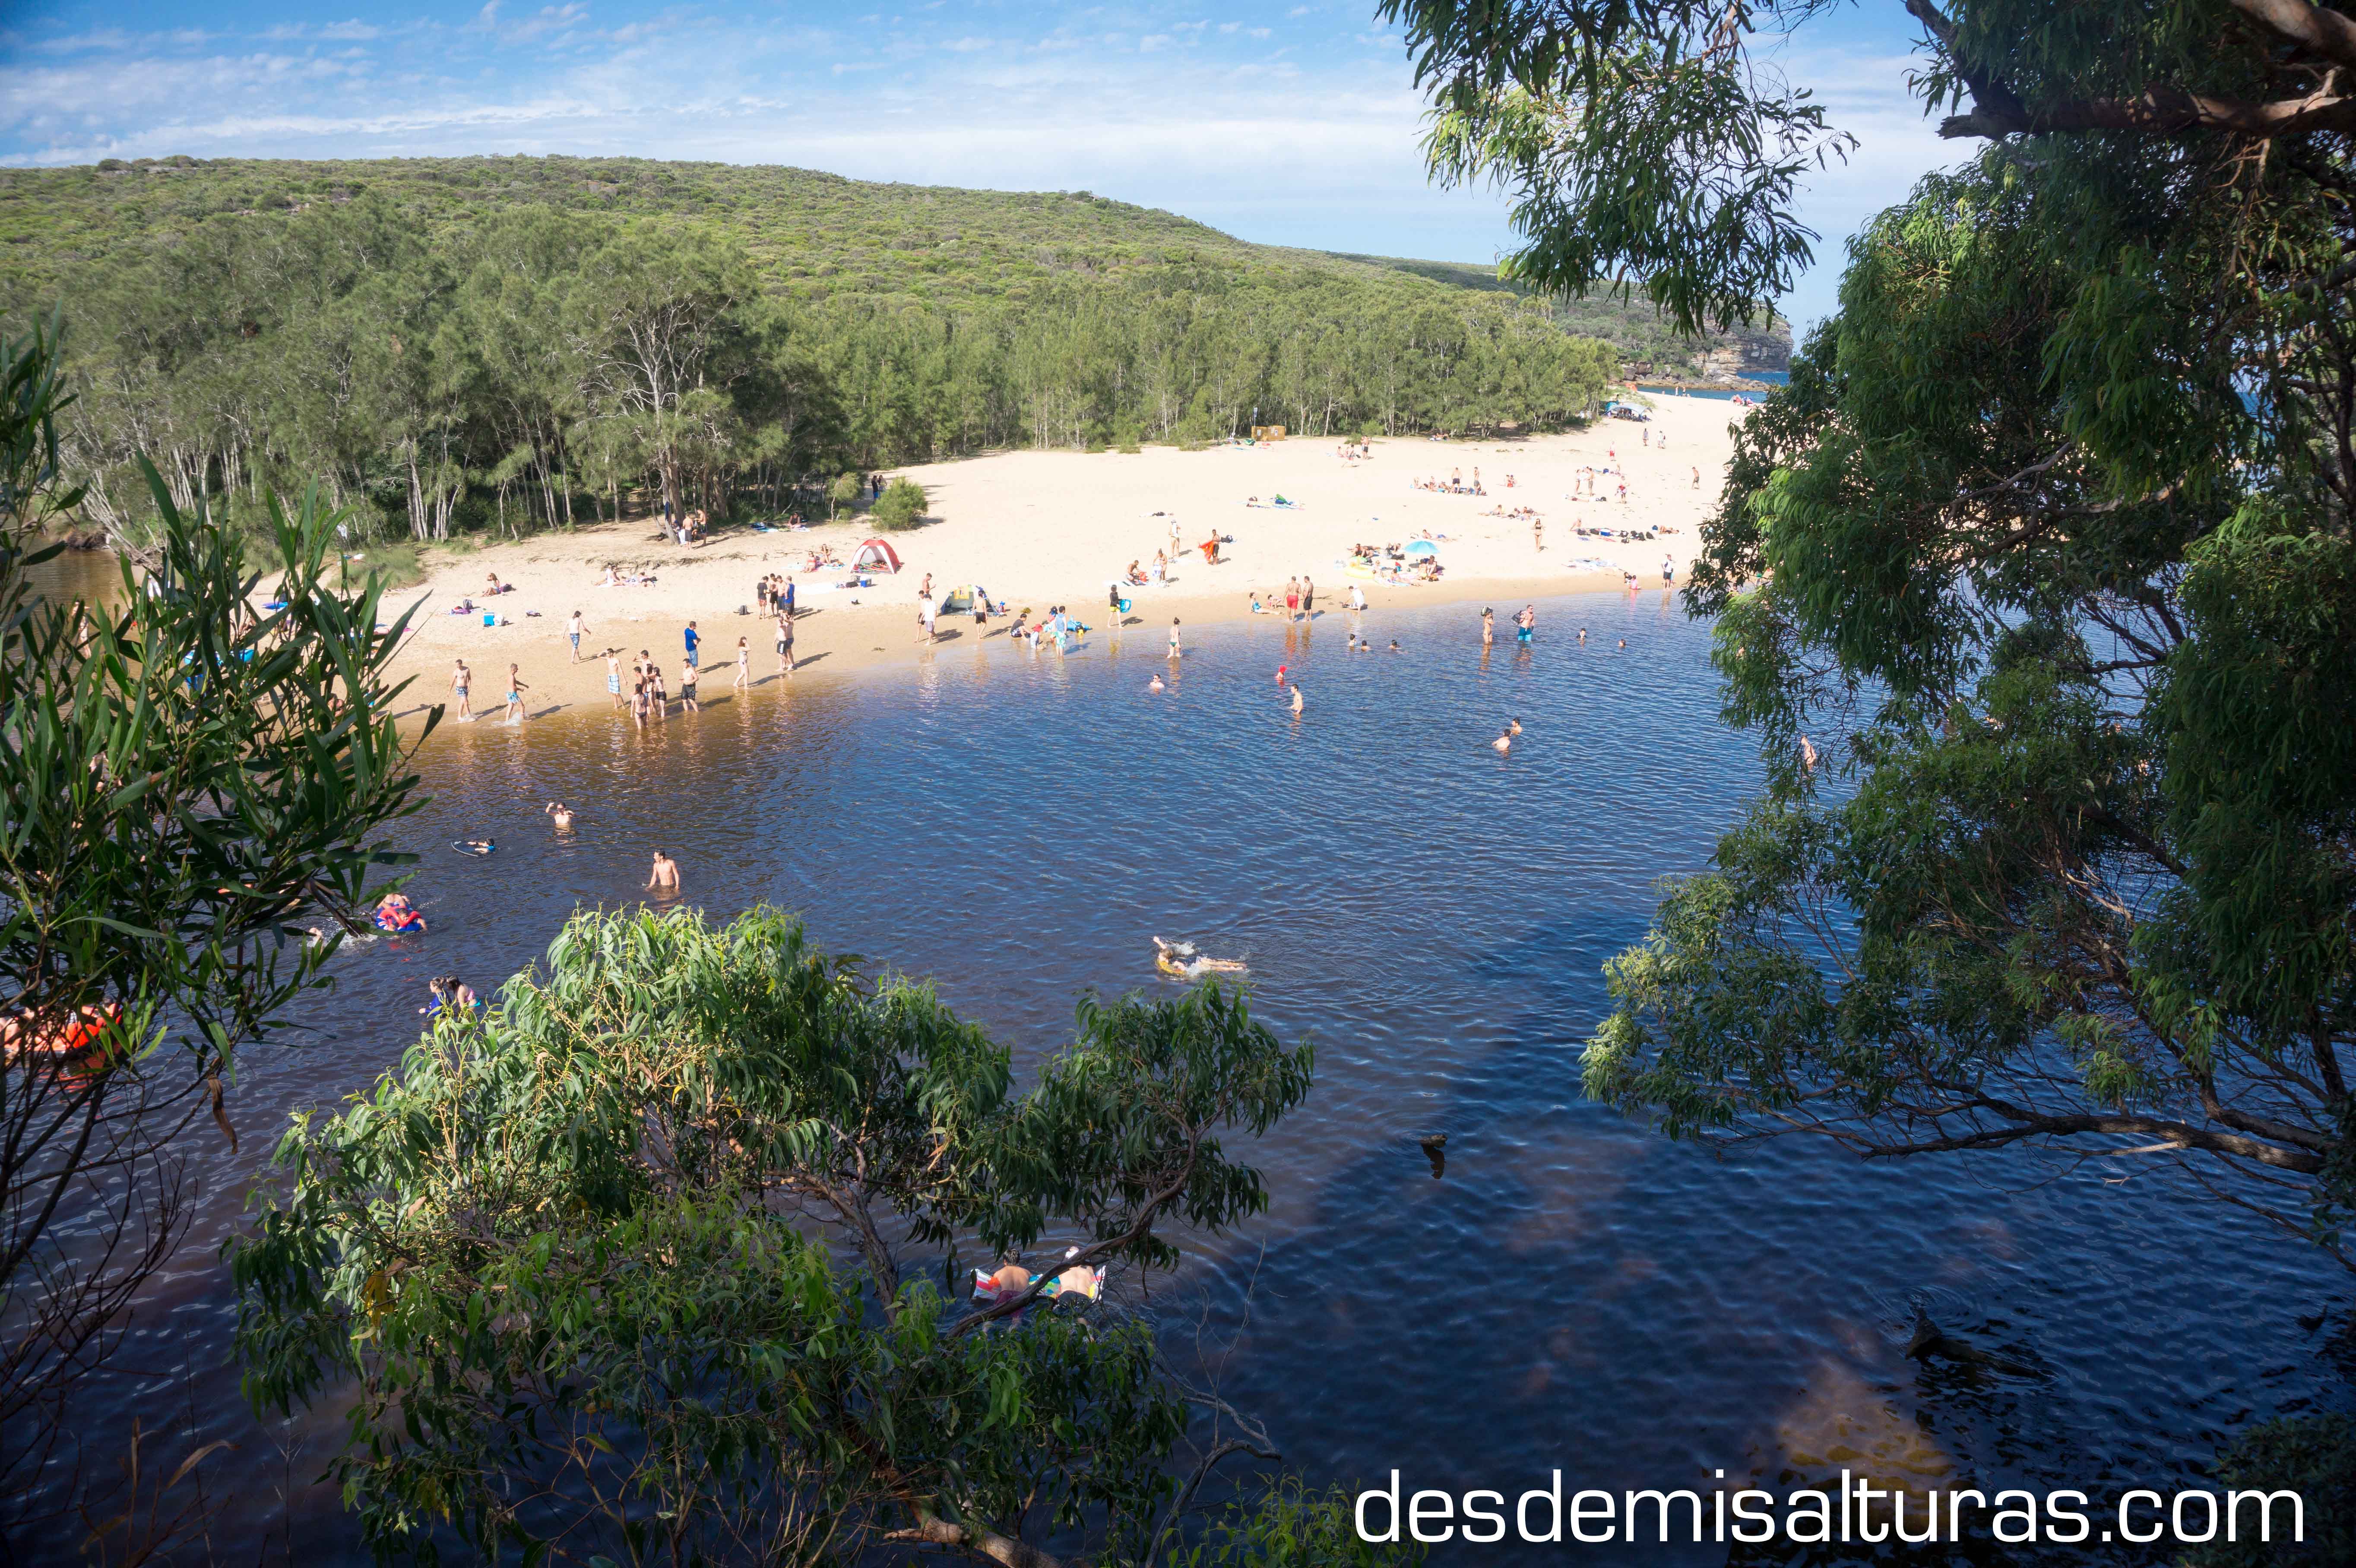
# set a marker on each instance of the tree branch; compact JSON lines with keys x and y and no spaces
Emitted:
{"x":2327,"y":33}
{"x":2027,"y":1123}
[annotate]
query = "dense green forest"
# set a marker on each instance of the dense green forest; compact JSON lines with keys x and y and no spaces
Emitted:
{"x":508,"y":343}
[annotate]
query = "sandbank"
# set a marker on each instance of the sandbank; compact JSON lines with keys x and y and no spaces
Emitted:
{"x":1040,"y":529}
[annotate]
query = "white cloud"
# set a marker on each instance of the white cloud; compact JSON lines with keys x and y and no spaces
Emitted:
{"x":547,"y":20}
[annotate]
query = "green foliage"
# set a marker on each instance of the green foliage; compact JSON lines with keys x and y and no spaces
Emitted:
{"x":583,"y":1255}
{"x":2036,"y":584}
{"x":902,"y":506}
{"x":1289,"y":1526}
{"x":1641,"y":141}
{"x":843,"y":491}
{"x":504,"y":345}
{"x":2314,"y":1455}
{"x":186,"y":779}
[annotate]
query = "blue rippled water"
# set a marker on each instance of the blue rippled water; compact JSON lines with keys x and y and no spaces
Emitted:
{"x":1575,"y":1293}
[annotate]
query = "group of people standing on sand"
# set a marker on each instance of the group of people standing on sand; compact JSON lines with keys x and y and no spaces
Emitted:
{"x":1456,"y":485}
{"x":462,"y":682}
{"x":1300,"y":600}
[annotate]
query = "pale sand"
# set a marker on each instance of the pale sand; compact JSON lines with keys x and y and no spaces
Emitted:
{"x":1040,"y":529}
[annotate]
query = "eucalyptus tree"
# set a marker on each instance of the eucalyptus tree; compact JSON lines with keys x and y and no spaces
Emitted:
{"x":2037,"y":583}
{"x":641,"y":1264}
{"x":187,"y":784}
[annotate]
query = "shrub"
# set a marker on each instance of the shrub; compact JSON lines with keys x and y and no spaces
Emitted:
{"x":902,"y":506}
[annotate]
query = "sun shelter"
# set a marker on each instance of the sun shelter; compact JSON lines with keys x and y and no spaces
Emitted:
{"x":875,"y":552}
{"x":1422,"y":547}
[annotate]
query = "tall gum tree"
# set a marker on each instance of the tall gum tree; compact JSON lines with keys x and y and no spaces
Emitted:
{"x":2036,"y":584}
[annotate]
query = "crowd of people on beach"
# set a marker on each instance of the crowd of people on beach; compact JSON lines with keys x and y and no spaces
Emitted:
{"x":1456,"y":484}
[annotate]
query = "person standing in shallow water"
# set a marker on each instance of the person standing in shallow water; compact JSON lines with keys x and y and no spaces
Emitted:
{"x":1488,"y":628}
{"x":664,"y":876}
{"x":743,"y":664}
{"x":1174,"y":638}
{"x":1308,"y":599}
{"x":460,"y":680}
{"x":786,"y":643}
{"x":613,"y":678}
{"x":516,"y":688}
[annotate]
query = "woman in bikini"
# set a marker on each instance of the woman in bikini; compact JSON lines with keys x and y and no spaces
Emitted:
{"x":743,"y":665}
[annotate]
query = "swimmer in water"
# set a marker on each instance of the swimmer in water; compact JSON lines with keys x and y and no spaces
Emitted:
{"x":1180,"y":958}
{"x":1155,"y":685}
{"x":1488,"y":628}
{"x":1296,"y":700}
{"x":664,"y":878}
{"x":1582,"y":636}
{"x":1623,"y":644}
{"x":1504,"y":743}
{"x":562,"y":814}
{"x":1279,"y":673}
{"x":1512,"y":726}
{"x":1395,"y":647}
{"x":448,"y":992}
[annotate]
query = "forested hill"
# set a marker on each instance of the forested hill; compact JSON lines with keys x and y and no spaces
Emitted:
{"x":813,"y":235}
{"x":502,"y":342}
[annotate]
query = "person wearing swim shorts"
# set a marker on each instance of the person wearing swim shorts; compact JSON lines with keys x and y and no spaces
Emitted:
{"x":574,"y":629}
{"x":459,"y":682}
{"x":613,"y":678}
{"x":516,"y":688}
{"x":687,"y":679}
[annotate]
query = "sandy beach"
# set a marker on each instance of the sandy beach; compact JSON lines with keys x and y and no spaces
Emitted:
{"x":1039,"y":529}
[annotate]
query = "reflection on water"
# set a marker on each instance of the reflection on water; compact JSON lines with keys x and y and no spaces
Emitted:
{"x":1575,"y":1293}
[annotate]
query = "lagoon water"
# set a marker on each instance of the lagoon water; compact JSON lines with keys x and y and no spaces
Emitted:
{"x":1575,"y":1293}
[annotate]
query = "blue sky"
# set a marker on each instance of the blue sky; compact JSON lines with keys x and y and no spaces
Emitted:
{"x":1285,"y":123}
